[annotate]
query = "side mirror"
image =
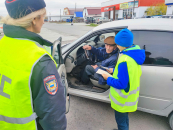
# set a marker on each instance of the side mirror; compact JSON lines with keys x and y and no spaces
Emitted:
{"x":102,"y":37}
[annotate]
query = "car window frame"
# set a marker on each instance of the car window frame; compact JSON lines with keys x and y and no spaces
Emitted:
{"x":154,"y":31}
{"x":98,"y":32}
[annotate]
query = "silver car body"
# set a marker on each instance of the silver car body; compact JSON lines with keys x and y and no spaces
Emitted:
{"x":102,"y":20}
{"x":156,"y":89}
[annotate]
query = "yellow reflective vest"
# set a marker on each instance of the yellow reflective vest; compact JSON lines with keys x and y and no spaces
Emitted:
{"x":17,"y":60}
{"x":120,"y":100}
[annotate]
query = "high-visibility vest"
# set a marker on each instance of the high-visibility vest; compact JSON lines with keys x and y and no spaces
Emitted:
{"x":120,"y":100}
{"x":17,"y":60}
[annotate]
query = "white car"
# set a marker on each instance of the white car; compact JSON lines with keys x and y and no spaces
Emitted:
{"x":155,"y":36}
{"x":101,"y":20}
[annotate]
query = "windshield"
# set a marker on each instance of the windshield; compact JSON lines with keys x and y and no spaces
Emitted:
{"x":66,"y":48}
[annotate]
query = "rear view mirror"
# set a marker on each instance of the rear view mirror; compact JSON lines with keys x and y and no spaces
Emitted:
{"x":102,"y":37}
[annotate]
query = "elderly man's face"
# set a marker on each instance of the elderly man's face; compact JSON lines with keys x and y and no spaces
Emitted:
{"x":109,"y":48}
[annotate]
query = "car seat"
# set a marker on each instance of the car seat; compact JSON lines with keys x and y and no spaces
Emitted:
{"x":95,"y":83}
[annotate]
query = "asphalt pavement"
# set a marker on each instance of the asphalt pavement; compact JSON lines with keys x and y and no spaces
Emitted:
{"x":86,"y":114}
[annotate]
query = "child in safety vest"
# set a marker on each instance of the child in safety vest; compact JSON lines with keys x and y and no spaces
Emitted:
{"x":125,"y":83}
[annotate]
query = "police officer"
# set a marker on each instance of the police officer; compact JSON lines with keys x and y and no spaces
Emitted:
{"x":31,"y":93}
{"x":125,"y":83}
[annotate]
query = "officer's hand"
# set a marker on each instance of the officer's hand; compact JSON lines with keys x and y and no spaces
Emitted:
{"x":110,"y":70}
{"x":105,"y":76}
{"x":86,"y":47}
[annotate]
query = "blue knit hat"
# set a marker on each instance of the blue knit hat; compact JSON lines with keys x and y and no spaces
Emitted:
{"x":124,"y":38}
{"x":20,"y":8}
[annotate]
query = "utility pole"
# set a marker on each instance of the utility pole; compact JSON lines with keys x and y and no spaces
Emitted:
{"x":49,"y":16}
{"x":75,"y":8}
{"x":60,"y":15}
{"x":133,"y":9}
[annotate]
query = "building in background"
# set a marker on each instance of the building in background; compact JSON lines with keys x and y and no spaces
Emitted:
{"x":58,"y":18}
{"x":169,"y":4}
{"x":78,"y":12}
{"x":120,"y":9}
{"x":91,"y":12}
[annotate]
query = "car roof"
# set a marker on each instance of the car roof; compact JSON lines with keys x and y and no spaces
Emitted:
{"x":139,"y":24}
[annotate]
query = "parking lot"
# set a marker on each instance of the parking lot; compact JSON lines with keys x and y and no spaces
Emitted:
{"x":86,"y":114}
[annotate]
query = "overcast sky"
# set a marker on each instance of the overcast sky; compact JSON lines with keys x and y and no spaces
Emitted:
{"x":54,"y":6}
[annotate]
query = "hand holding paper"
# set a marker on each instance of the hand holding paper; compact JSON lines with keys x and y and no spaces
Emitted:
{"x":104,"y":74}
{"x":110,"y":70}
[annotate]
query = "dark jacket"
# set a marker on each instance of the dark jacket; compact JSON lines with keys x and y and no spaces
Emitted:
{"x":50,"y":109}
{"x":109,"y":60}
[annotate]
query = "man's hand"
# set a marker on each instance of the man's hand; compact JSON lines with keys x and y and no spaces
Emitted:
{"x":94,"y":66}
{"x":105,"y":76}
{"x":110,"y":70}
{"x":86,"y":47}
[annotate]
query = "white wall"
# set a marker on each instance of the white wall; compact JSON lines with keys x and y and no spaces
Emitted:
{"x":168,"y":1}
{"x":169,"y":10}
{"x":141,"y":11}
{"x":102,"y":14}
{"x":85,"y":11}
{"x":113,"y":2}
{"x":136,"y":10}
{"x":120,"y":14}
{"x":111,"y":14}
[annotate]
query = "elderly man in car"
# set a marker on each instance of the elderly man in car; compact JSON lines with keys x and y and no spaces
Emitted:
{"x":109,"y":56}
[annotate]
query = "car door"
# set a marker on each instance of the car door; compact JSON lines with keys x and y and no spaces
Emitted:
{"x":57,"y":55}
{"x":157,"y":71}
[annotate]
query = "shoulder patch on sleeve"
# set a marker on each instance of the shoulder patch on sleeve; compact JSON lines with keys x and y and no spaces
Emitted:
{"x":50,"y":84}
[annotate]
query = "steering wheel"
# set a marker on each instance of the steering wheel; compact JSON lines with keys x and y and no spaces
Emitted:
{"x":89,"y":56}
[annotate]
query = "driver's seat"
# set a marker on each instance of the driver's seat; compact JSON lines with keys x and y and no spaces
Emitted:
{"x":95,"y":83}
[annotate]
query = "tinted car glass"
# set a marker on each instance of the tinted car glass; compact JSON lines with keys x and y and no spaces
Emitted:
{"x":157,"y":45}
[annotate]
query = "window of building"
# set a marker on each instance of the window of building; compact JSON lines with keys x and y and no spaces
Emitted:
{"x":106,"y":14}
{"x":157,"y":45}
{"x":127,"y":13}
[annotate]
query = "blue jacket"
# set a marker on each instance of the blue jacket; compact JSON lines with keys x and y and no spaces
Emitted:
{"x":123,"y":77}
{"x":107,"y":62}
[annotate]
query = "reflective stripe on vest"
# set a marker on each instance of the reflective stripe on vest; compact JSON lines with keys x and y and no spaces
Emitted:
{"x":123,"y":101}
{"x":126,"y":96}
{"x":18,"y":120}
{"x":126,"y":104}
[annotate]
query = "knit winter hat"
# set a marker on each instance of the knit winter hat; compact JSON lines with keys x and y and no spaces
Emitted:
{"x":124,"y":38}
{"x":20,"y":8}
